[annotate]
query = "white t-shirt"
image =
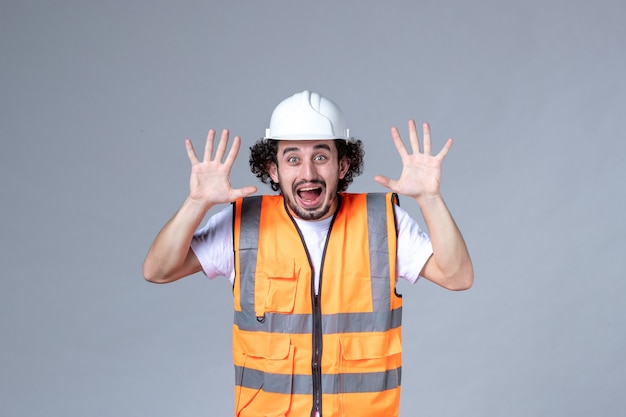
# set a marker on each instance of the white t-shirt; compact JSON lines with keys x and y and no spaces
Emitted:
{"x":213,"y":245}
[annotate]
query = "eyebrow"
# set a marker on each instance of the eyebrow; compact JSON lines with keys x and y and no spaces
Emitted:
{"x":295,"y":148}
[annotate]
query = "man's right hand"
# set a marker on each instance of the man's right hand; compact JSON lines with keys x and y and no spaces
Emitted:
{"x":170,"y":257}
{"x":209,"y":183}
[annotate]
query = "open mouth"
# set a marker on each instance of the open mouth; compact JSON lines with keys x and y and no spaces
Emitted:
{"x":310,"y":196}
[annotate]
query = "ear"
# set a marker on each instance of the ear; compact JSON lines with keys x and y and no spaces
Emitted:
{"x":272,"y":170}
{"x":344,"y":166}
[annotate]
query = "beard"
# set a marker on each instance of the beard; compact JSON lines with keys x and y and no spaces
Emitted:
{"x":308,"y":213}
{"x":304,"y":214}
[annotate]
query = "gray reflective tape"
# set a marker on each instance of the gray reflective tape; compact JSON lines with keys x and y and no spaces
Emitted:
{"x":378,"y":321}
{"x":331,"y":383}
{"x":274,"y":322}
{"x":278,"y":383}
{"x":361,"y":382}
{"x":378,"y":250}
{"x":248,"y":248}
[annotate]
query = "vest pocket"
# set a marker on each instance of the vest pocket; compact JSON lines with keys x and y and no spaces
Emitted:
{"x":369,"y":374}
{"x":281,"y":286}
{"x":264,"y":366}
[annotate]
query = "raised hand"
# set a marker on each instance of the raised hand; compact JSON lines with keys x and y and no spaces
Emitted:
{"x":421,"y":171}
{"x":209,"y":182}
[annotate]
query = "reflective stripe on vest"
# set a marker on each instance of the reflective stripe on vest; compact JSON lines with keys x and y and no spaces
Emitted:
{"x":361,"y":313}
{"x":301,"y":384}
{"x":331,"y":323}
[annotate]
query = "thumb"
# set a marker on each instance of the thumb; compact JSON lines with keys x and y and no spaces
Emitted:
{"x":382,"y":180}
{"x":244,"y":191}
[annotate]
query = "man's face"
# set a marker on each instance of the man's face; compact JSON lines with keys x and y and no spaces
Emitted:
{"x":308,"y":172}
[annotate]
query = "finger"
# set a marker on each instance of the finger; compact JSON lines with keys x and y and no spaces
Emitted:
{"x":397,"y":141}
{"x":221,"y":146}
{"x":446,"y":148}
{"x":382,"y":180}
{"x":244,"y":191}
{"x":427,"y":140}
{"x":234,"y":150}
{"x":208,"y":145}
{"x":190,"y":152}
{"x":413,"y":137}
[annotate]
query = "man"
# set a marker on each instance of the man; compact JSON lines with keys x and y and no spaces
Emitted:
{"x":317,"y":328}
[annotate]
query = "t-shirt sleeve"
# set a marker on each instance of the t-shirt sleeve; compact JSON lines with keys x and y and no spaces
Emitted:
{"x":414,"y":247}
{"x":213,"y":245}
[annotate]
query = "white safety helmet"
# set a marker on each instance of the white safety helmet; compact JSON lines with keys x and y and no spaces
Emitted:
{"x":307,"y":116}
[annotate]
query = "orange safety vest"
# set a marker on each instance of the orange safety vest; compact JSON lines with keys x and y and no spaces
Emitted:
{"x":338,"y":352}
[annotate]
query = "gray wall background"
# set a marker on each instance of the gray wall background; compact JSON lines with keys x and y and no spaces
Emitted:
{"x":98,"y":97}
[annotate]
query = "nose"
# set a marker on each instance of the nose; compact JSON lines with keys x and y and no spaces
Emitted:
{"x":309,"y":172}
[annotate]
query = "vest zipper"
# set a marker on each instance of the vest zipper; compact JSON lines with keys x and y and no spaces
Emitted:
{"x":317,"y":325}
{"x":316,"y":360}
{"x":316,"y":365}
{"x":316,"y":336}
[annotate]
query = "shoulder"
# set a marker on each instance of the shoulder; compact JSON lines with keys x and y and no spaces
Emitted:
{"x":372,"y":199}
{"x":218,"y":221}
{"x":255,"y":202}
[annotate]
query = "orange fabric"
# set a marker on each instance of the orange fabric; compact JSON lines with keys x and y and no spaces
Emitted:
{"x":282,"y":286}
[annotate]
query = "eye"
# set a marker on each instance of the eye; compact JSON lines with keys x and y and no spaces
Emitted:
{"x":292,"y":160}
{"x":320,"y":158}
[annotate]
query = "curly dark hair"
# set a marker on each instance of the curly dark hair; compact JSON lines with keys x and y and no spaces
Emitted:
{"x":263,"y":152}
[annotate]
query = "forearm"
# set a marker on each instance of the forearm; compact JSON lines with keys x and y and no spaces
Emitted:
{"x":450,"y":265}
{"x":169,"y":257}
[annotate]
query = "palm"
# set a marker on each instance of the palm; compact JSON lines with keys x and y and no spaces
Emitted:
{"x":210,"y":177}
{"x":421,"y":171}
